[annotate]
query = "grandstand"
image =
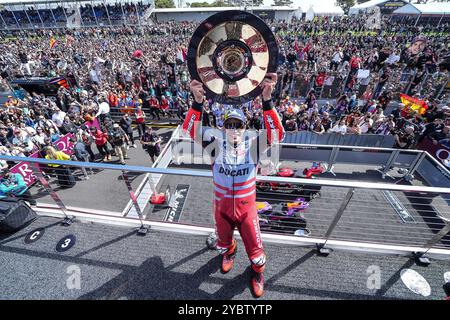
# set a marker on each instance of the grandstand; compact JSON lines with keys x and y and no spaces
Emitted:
{"x":73,"y":14}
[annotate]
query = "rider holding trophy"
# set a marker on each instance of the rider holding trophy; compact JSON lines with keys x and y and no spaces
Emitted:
{"x":236,"y":68}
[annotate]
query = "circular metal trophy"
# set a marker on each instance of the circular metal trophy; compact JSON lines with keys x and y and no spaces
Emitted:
{"x":230,"y":53}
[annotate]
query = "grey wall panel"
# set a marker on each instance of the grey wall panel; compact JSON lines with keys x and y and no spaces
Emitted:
{"x":364,"y":157}
{"x":304,"y":154}
{"x":405,"y":159}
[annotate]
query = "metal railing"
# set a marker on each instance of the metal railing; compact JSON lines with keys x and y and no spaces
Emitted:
{"x":383,"y":160}
{"x":335,"y":84}
{"x":342,"y":214}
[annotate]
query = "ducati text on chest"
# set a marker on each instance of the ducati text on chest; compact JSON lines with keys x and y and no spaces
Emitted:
{"x":234,"y":173}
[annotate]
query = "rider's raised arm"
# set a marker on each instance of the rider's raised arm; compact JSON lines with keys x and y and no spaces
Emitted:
{"x":192,"y":125}
{"x":272,"y":122}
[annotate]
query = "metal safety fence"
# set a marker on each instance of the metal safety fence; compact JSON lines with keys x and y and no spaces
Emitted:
{"x":322,"y":212}
{"x":361,"y":140}
{"x":365,"y":84}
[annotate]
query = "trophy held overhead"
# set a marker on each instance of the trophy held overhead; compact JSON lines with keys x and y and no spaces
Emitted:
{"x":230,"y":53}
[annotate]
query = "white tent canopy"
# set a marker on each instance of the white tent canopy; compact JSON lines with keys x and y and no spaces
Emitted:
{"x":321,"y":8}
{"x":434,"y":8}
{"x":369,"y":4}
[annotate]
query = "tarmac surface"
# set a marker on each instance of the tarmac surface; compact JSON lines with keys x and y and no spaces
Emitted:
{"x":108,"y":262}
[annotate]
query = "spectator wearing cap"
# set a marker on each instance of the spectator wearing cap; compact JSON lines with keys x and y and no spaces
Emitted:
{"x":150,"y":141}
{"x":22,"y":142}
{"x":164,"y":107}
{"x":405,"y":139}
{"x":355,"y":63}
{"x":154,"y":107}
{"x":40,"y":138}
{"x":24,"y":63}
{"x":85,"y":136}
{"x":120,"y":139}
{"x":103,"y":111}
{"x":126,"y":125}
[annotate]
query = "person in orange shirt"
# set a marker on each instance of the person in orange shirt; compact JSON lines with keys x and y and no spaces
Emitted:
{"x":113,"y":100}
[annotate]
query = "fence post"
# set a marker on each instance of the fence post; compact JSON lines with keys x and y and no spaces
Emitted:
{"x":332,"y":159}
{"x":417,"y":162}
{"x":385,"y":169}
{"x":142,"y":229}
{"x":321,"y":247}
{"x":420,"y":256}
{"x":38,"y":173}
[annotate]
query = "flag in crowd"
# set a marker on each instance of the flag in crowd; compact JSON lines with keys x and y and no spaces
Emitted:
{"x":52,"y":42}
{"x":412,"y":103}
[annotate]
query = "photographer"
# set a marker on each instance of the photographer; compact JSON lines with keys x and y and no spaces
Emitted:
{"x":151,"y":143}
{"x":405,"y":138}
{"x":120,"y":139}
{"x":125,"y":124}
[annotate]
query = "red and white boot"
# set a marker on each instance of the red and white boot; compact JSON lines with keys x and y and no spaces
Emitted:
{"x":228,"y":258}
{"x":257,"y":284}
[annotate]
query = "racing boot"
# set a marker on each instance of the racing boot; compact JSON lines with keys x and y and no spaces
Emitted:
{"x":257,"y":281}
{"x":257,"y":284}
{"x":228,"y":258}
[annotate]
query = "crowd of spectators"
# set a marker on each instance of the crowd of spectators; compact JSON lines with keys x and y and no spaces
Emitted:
{"x":124,"y":74}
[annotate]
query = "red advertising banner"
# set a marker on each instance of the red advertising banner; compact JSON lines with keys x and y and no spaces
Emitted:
{"x":438,"y":151}
{"x":24,"y":168}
